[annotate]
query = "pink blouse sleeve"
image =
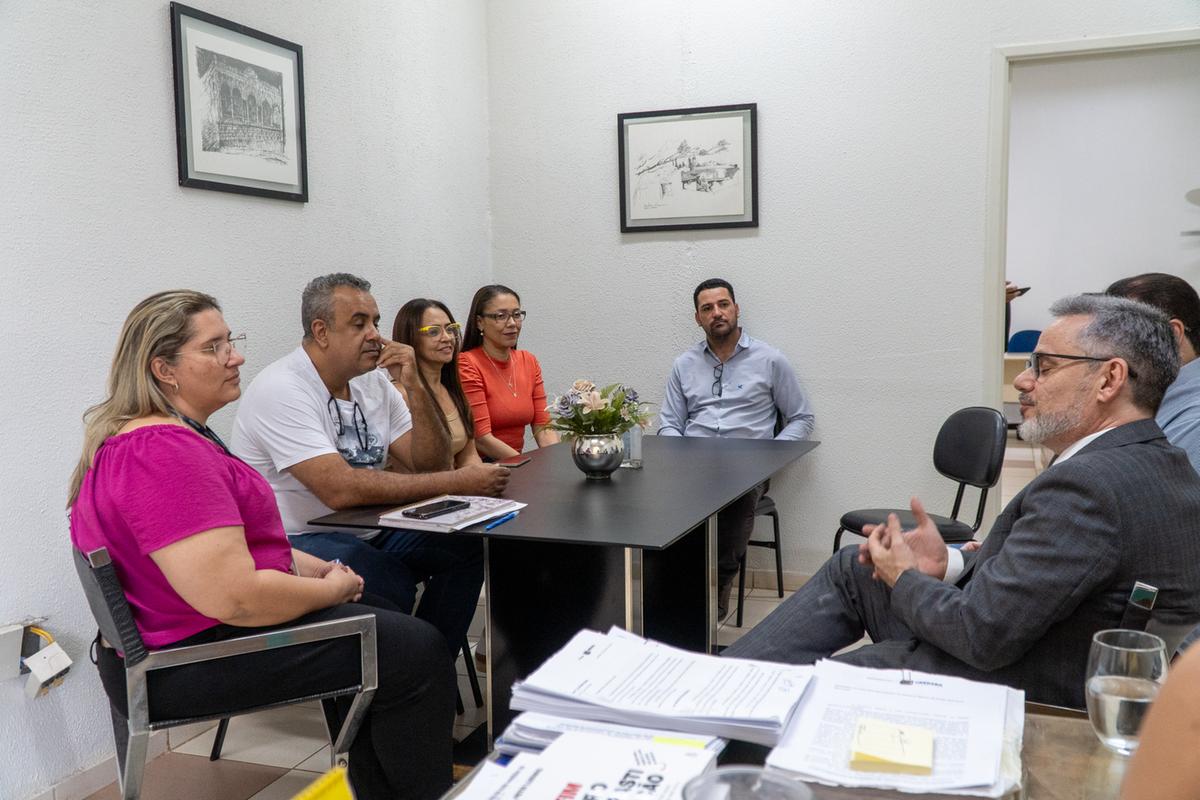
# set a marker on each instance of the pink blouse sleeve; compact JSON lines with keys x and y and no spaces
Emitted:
{"x":170,"y":486}
{"x":472,"y":383}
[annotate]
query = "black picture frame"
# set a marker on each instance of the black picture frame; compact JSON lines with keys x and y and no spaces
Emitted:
{"x":239,"y":107}
{"x":679,"y":168}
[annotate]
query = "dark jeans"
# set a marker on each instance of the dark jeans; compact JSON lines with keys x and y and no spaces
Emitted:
{"x":833,"y":610}
{"x":404,"y":746}
{"x":394,"y":562}
{"x":735,"y":523}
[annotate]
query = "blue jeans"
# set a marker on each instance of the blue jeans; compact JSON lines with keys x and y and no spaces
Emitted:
{"x":394,"y":562}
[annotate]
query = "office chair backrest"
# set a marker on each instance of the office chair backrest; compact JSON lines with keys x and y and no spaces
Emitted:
{"x":107,"y":600}
{"x":970,"y":446}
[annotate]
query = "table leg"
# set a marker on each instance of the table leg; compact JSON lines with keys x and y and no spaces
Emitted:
{"x":538,"y":595}
{"x":680,"y":591}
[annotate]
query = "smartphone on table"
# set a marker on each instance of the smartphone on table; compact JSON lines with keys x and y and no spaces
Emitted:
{"x":512,"y":462}
{"x":431,"y":510}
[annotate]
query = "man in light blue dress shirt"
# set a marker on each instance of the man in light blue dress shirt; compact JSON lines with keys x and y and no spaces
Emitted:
{"x":1179,"y":414}
{"x":732,"y":386}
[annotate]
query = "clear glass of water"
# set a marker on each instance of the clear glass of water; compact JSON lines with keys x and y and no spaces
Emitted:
{"x":1124,"y":673}
{"x":739,"y":782}
{"x":632,"y":440}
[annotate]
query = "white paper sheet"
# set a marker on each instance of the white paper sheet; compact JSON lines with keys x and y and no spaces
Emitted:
{"x":971,"y":722}
{"x":617,"y":678}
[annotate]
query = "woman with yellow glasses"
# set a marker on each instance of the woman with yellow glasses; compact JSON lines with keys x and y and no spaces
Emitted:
{"x":429,"y":328}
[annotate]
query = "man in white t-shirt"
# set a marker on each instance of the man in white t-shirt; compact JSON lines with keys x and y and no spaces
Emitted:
{"x":321,"y":425}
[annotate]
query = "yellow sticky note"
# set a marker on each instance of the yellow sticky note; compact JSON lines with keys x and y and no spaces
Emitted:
{"x":880,"y":746}
{"x":679,"y":741}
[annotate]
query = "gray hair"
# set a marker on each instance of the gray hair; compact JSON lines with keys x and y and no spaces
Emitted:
{"x":317,"y":301}
{"x":1134,"y":331}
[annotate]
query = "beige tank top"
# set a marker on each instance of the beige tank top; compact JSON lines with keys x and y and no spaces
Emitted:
{"x":458,"y":433}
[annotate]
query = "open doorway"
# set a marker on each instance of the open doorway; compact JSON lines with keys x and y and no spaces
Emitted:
{"x":1093,"y":158}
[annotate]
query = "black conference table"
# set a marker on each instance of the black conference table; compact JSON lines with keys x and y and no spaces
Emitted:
{"x":637,"y":551}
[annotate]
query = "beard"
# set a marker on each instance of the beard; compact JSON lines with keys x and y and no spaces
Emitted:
{"x":1050,"y":425}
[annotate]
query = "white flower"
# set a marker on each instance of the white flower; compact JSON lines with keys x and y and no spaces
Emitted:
{"x":583,"y":387}
{"x":592,"y":401}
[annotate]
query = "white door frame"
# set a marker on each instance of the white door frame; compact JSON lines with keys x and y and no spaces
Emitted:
{"x":996,"y":211}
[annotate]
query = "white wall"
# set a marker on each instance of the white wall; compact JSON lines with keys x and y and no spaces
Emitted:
{"x":868,"y":266}
{"x":1102,"y":151}
{"x":92,"y":219}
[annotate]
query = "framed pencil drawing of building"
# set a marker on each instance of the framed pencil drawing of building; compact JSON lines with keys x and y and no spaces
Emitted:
{"x":239,"y":107}
{"x":688,"y":168}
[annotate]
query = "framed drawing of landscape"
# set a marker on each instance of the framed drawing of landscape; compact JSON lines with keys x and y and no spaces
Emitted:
{"x":239,"y":107}
{"x":688,"y":168}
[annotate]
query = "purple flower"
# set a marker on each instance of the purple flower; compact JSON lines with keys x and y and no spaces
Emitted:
{"x":561,"y":406}
{"x":631,"y":395}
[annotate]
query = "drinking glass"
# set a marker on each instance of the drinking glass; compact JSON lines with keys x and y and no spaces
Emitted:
{"x":1124,"y":672}
{"x":632,"y":440}
{"x":737,"y":782}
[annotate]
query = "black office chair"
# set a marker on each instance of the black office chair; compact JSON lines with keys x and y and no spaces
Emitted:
{"x":765,"y":508}
{"x":969,"y":449}
{"x":115,"y":619}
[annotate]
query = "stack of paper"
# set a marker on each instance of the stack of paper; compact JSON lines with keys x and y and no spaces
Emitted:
{"x":478,"y":510}
{"x":593,"y":765}
{"x":977,"y":730}
{"x":533,"y":733}
{"x":616,"y":677}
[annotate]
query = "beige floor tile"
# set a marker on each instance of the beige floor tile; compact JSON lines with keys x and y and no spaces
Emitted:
{"x":463,"y":731}
{"x":279,"y":737}
{"x":177,"y":737}
{"x":863,"y":641}
{"x":471,"y":715}
{"x":475,"y":629}
{"x":756,"y":611}
{"x":318,"y":761}
{"x":288,"y":786}
{"x":173,"y":776}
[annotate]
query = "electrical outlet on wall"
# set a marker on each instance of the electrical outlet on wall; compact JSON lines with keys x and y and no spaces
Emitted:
{"x":10,"y":650}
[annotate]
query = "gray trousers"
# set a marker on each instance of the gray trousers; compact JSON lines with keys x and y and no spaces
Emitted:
{"x":735,"y":523}
{"x":833,"y":610}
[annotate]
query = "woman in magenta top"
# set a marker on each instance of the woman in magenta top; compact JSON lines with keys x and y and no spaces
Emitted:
{"x":198,"y":544}
{"x":502,"y":383}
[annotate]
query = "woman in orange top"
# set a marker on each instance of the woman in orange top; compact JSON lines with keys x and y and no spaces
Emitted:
{"x":503,"y":384}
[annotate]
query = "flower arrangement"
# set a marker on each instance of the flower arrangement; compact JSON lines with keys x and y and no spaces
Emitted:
{"x":588,"y":411}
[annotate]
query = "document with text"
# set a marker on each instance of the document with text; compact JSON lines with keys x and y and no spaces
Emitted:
{"x":578,"y":765}
{"x":619,"y":678}
{"x":974,"y":725}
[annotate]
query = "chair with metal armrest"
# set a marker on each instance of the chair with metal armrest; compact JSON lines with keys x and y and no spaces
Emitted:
{"x":115,"y":620}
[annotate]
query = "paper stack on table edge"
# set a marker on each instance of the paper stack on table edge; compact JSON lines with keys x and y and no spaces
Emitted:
{"x":978,"y":730}
{"x":478,"y":510}
{"x":531,"y":732}
{"x":618,"y":677}
{"x":579,"y":764}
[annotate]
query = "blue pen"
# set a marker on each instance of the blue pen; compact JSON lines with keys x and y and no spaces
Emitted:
{"x":498,"y":522}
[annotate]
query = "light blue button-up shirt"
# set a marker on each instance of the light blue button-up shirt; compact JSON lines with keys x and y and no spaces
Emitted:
{"x":1179,"y":414}
{"x":756,"y":383}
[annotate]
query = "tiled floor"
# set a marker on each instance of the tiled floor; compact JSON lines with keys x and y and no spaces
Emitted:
{"x":274,"y":754}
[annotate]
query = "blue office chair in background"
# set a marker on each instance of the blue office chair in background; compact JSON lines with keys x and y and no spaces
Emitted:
{"x":1023,"y":341}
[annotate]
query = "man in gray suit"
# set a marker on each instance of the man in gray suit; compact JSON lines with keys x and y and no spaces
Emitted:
{"x":1118,"y":505}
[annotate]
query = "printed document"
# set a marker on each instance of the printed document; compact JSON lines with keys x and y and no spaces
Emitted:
{"x":578,"y":764}
{"x":970,"y":721}
{"x":620,"y":678}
